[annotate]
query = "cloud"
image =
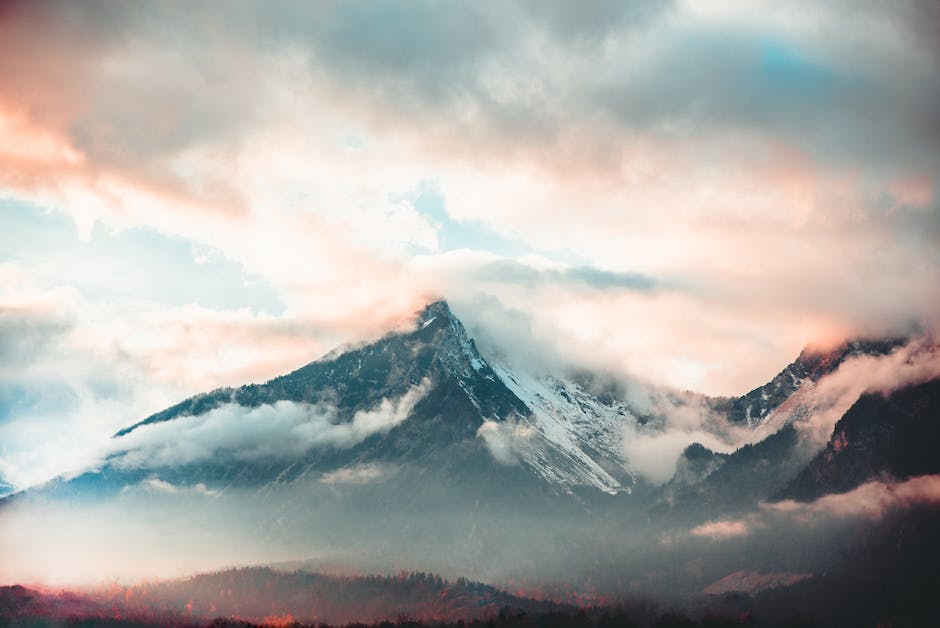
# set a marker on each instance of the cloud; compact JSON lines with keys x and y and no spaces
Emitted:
{"x":279,"y":430}
{"x":495,"y":137}
{"x":655,"y":452}
{"x":871,"y":500}
{"x":682,"y":419}
{"x":510,"y":271}
{"x":720,"y":530}
{"x":156,"y":485}
{"x":506,"y":440}
{"x":752,"y":582}
{"x":721,"y":199}
{"x":72,"y":372}
{"x":357,"y":474}
{"x":818,"y":407}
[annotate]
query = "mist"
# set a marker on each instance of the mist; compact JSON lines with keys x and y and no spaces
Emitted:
{"x":678,"y":420}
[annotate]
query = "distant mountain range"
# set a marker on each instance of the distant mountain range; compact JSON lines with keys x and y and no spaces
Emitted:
{"x":417,"y":451}
{"x":459,"y":414}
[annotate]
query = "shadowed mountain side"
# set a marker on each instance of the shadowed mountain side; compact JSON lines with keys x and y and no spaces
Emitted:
{"x":888,"y":579}
{"x":895,"y":437}
{"x":707,"y":483}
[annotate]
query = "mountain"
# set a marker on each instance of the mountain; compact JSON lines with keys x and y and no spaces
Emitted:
{"x":707,"y":483}
{"x":777,"y":414}
{"x":425,"y":400}
{"x":417,"y":451}
{"x":892,"y":437}
{"x":465,"y":415}
{"x":888,"y":577}
{"x":811,"y":365}
{"x":414,"y":450}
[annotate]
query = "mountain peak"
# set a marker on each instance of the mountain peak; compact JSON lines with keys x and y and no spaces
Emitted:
{"x":818,"y":362}
{"x":437,"y":325}
{"x":435,"y":309}
{"x":812,"y":364}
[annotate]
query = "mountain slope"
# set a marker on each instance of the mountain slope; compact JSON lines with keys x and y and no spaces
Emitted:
{"x":897,"y":436}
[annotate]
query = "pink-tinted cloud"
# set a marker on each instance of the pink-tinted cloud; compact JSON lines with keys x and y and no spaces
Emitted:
{"x":819,"y":407}
{"x":726,"y":157}
{"x":720,"y":530}
{"x":872,"y":500}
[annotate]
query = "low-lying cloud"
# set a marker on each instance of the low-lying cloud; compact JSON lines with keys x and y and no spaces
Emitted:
{"x":279,"y":430}
{"x":507,"y":440}
{"x":154,"y":484}
{"x":871,"y":501}
{"x":357,"y":474}
{"x":718,"y":530}
{"x":824,"y":404}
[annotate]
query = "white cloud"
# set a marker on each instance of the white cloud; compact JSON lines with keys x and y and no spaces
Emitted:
{"x":279,"y":430}
{"x":871,"y":500}
{"x":505,"y":440}
{"x":826,"y":402}
{"x":653,"y":449}
{"x":722,"y":529}
{"x":654,"y":452}
{"x":357,"y":474}
{"x":772,"y":208}
{"x":154,"y":484}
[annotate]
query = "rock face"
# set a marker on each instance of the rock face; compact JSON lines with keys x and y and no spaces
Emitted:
{"x":894,"y":437}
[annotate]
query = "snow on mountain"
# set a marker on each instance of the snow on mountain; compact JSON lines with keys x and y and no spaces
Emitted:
{"x":582,"y":437}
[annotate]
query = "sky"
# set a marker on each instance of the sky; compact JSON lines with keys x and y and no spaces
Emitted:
{"x":202,"y":195}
